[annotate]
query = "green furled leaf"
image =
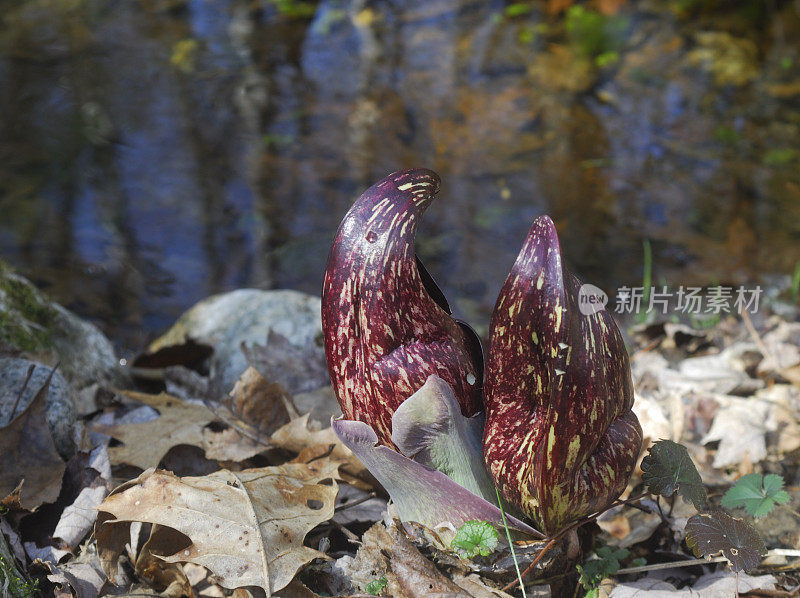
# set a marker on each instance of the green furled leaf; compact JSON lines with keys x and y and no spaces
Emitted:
{"x":607,"y":563}
{"x":428,"y":426}
{"x":375,"y":587}
{"x":708,"y":534}
{"x":475,"y":538}
{"x":419,"y":493}
{"x":668,"y":468}
{"x":756,"y":493}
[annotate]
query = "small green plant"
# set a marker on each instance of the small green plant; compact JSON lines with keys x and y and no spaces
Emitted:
{"x":13,"y":585}
{"x":667,"y":469}
{"x":780,"y":156}
{"x":756,"y":493}
{"x":376,"y":586}
{"x":277,"y":141}
{"x":727,"y":135}
{"x":530,"y":33}
{"x":475,"y":538}
{"x":606,"y":563}
{"x":596,"y":36}
{"x":795,"y":288}
{"x":295,"y":9}
{"x":517,"y":9}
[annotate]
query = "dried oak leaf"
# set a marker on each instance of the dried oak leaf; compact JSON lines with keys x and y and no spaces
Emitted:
{"x":146,"y":443}
{"x":416,"y":576}
{"x":32,"y":469}
{"x":298,"y":435}
{"x":246,"y":527}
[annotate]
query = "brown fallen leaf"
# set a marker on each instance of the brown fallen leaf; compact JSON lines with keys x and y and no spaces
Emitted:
{"x":158,"y":572}
{"x":295,"y":369}
{"x":230,"y":445}
{"x":78,"y":518}
{"x":255,"y":409}
{"x":476,"y":587}
{"x":83,"y":579}
{"x":416,"y":576}
{"x":297,"y":436}
{"x":32,"y":469}
{"x":146,"y":443}
{"x":246,"y":527}
{"x":262,"y":404}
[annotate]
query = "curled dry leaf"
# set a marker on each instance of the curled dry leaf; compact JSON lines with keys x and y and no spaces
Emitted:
{"x":84,"y":579}
{"x":388,"y":553}
{"x":298,"y":435}
{"x":261,"y":403}
{"x":295,"y":369}
{"x":416,"y":576}
{"x":246,"y":527}
{"x":740,"y":426}
{"x":32,"y":469}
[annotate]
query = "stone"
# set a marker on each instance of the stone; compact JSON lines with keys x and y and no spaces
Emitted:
{"x":60,"y":401}
{"x":33,"y":324}
{"x":250,"y":317}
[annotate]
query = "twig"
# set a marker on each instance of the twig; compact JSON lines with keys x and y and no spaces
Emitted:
{"x":350,"y":535}
{"x":254,"y":437}
{"x":566,"y":530}
{"x":150,"y":374}
{"x":538,"y":558}
{"x":355,"y":503}
{"x":676,"y":564}
{"x":792,"y":511}
{"x":748,"y":323}
{"x":691,"y":562}
{"x":784,"y":552}
{"x":21,"y":391}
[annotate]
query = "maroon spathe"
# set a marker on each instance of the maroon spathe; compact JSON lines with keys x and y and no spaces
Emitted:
{"x":384,"y":333}
{"x":560,"y":438}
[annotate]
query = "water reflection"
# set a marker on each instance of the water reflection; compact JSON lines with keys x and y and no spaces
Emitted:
{"x":154,"y":153}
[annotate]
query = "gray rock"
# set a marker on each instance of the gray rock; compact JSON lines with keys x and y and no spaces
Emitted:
{"x":250,"y":316}
{"x":32,"y":323}
{"x":60,"y":401}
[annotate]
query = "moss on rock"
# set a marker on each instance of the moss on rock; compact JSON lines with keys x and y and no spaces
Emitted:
{"x":26,"y":318}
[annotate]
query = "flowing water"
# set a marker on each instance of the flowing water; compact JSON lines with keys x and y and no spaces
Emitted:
{"x":158,"y":151}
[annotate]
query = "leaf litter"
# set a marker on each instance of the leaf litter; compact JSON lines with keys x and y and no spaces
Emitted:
{"x":345,"y":540}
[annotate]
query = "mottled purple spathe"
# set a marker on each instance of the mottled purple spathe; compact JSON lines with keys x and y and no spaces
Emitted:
{"x":560,"y":439}
{"x":384,"y":333}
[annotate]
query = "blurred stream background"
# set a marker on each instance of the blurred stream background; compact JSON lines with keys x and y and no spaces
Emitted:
{"x":154,"y":152}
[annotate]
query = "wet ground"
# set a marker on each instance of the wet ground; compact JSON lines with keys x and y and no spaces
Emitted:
{"x":158,"y":151}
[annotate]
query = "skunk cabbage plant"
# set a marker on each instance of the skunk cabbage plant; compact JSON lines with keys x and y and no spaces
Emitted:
{"x":387,"y":325}
{"x":560,"y":439}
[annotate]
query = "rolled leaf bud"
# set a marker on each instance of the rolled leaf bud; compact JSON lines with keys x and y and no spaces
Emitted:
{"x":387,"y":326}
{"x":560,"y":439}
